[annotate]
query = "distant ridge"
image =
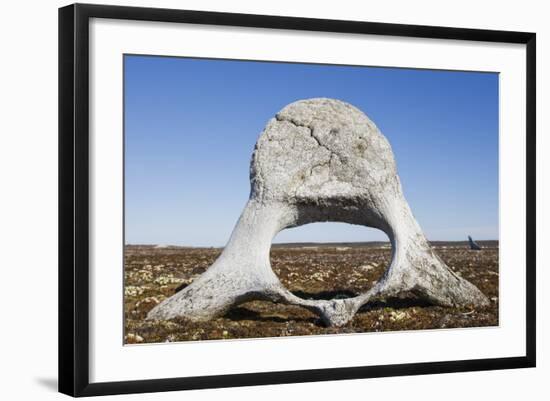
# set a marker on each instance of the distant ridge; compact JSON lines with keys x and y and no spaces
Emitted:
{"x":488,"y":243}
{"x":372,"y":244}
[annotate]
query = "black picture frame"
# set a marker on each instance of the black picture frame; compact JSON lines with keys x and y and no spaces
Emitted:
{"x":74,"y":192}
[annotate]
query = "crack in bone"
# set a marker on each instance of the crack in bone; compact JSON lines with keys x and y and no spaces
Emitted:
{"x":311,"y":129}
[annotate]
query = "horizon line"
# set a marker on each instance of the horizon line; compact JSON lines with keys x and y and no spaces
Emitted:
{"x":302,"y":242}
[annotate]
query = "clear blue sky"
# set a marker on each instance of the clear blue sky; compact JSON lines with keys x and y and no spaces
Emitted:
{"x":191,"y":126}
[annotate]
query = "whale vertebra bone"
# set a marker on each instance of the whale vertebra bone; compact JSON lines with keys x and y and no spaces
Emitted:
{"x":320,"y":160}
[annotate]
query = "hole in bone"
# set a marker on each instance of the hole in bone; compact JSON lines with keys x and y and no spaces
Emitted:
{"x":325,"y":269}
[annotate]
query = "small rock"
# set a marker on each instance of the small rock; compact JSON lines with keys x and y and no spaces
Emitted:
{"x":165,"y":280}
{"x":366,"y":267}
{"x":147,"y":303}
{"x":132,"y":338}
{"x":170,"y":339}
{"x":133,"y":291}
{"x":396,"y":316}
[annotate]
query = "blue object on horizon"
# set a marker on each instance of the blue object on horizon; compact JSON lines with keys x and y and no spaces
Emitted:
{"x":473,"y":245}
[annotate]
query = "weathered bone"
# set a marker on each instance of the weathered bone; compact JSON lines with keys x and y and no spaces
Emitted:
{"x":320,"y":160}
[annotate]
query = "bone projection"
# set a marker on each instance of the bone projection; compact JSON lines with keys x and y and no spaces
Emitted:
{"x":320,"y":160}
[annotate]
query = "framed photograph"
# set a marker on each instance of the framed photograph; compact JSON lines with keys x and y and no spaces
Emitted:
{"x":251,"y":199}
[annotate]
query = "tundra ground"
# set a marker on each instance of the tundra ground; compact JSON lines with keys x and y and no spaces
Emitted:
{"x":317,"y":271}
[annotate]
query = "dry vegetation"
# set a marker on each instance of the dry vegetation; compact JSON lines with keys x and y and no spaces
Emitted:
{"x":310,"y":271}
